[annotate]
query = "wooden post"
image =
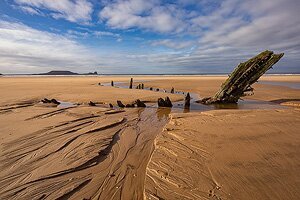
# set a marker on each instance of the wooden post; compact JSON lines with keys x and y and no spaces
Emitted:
{"x":131,"y":81}
{"x":187,"y":101}
{"x":120,"y":104}
{"x":172,"y":90}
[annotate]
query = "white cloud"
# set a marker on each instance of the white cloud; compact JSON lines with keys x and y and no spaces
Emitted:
{"x":24,"y":49}
{"x":29,"y":10}
{"x":77,"y":34}
{"x":88,"y":34}
{"x":173,"y":44}
{"x":105,"y":33}
{"x":78,"y":11}
{"x":248,"y":27}
{"x":143,"y":14}
{"x":227,"y":32}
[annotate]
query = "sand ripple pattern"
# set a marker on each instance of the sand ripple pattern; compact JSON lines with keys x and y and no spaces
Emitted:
{"x":91,"y":156}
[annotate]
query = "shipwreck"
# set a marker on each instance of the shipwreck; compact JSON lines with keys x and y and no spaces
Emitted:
{"x":244,"y":75}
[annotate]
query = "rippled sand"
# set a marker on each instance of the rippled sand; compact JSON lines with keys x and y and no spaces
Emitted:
{"x":89,"y":152}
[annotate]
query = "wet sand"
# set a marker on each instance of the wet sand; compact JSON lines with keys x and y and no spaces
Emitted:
{"x":227,"y":154}
{"x":102,"y":153}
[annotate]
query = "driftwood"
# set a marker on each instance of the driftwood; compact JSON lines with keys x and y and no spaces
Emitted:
{"x":120,"y":104}
{"x":130,"y":105}
{"x":45,"y":100}
{"x":164,"y":102}
{"x":240,"y":80}
{"x":161,"y":102}
{"x":54,"y":101}
{"x":131,"y":82}
{"x":139,"y":103}
{"x":92,"y":103}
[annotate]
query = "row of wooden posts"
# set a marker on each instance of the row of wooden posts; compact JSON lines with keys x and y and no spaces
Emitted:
{"x":161,"y":102}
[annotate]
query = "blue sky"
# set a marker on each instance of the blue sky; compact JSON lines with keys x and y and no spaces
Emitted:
{"x":146,"y":36}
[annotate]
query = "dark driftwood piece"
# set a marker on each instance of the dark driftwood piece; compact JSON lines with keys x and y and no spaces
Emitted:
{"x":131,"y":82}
{"x":240,"y":80}
{"x":120,"y":104}
{"x":161,"y":102}
{"x":168,"y":102}
{"x":139,"y":103}
{"x":130,"y":105}
{"x":164,"y":102}
{"x":45,"y":100}
{"x":54,"y":101}
{"x":92,"y":103}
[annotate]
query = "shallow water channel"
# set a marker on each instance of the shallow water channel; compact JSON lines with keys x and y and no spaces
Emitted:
{"x":293,"y":85}
{"x":178,"y":106}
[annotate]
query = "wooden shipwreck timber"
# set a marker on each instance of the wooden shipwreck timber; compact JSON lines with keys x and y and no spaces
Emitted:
{"x":240,"y":80}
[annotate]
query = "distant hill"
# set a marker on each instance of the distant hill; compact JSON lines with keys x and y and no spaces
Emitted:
{"x":58,"y":73}
{"x":91,"y":73}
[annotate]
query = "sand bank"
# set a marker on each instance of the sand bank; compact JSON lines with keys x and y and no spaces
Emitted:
{"x":99,"y":153}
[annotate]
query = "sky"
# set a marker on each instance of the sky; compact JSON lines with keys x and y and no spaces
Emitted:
{"x":146,"y":36}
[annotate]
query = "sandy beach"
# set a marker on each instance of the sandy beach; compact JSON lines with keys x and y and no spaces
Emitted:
{"x":78,"y":151}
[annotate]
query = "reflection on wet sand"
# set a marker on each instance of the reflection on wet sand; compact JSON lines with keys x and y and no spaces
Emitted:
{"x":163,"y":113}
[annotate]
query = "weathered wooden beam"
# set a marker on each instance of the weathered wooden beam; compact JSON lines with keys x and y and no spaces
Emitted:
{"x":172,"y":90}
{"x":187,"y":100}
{"x":243,"y":76}
{"x":131,"y":82}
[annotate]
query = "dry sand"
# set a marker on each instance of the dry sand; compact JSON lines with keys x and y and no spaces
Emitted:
{"x":100,"y":153}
